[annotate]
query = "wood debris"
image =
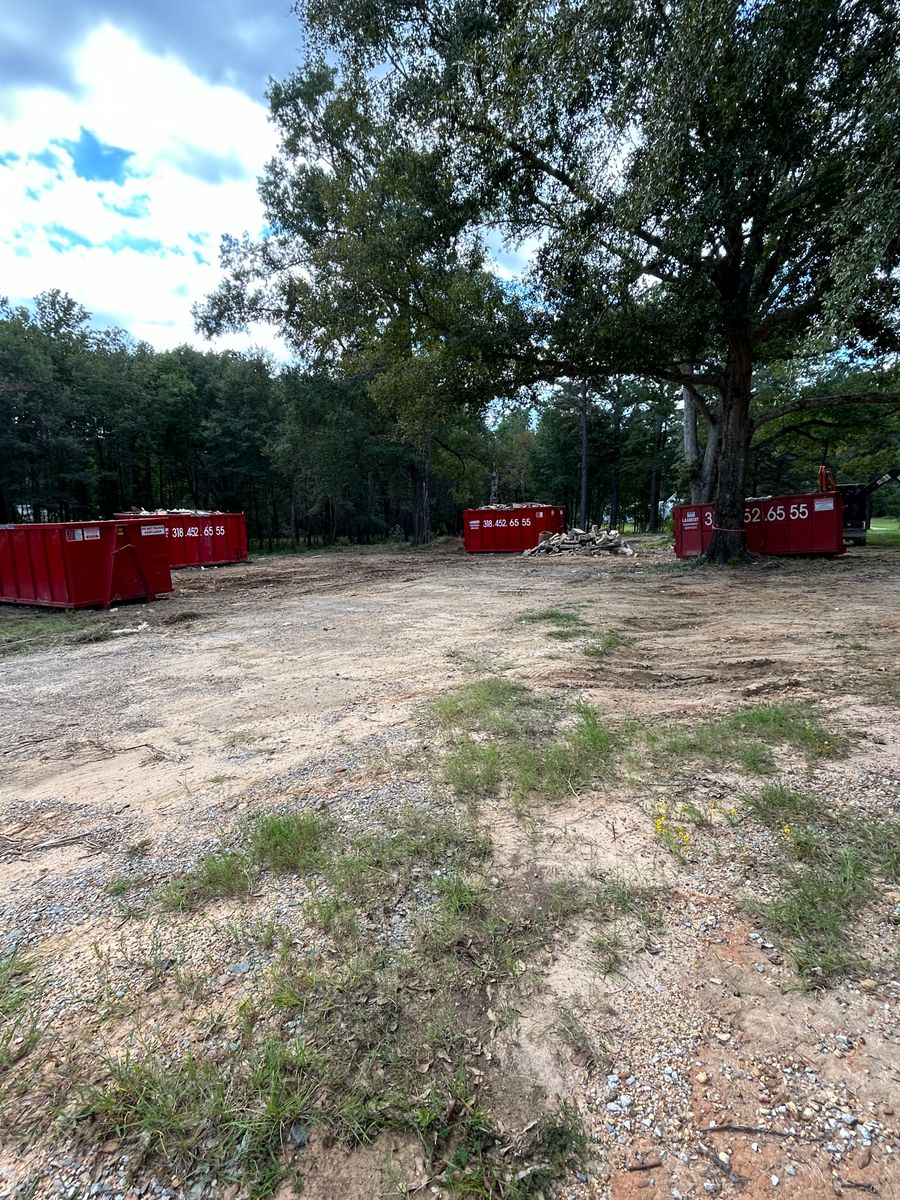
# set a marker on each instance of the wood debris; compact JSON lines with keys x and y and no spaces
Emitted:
{"x":578,"y":541}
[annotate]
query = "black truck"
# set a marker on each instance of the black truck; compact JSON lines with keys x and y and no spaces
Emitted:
{"x":857,"y":498}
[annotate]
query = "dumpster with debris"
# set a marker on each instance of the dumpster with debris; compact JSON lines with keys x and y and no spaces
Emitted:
{"x":200,"y":539}
{"x":509,"y":528}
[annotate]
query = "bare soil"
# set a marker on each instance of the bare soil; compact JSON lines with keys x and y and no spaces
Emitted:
{"x":307,"y":677}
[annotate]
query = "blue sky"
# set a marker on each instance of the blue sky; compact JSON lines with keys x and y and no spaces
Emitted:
{"x":131,"y":138}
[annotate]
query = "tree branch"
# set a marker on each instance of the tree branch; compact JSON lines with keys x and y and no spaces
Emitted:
{"x":886,"y":398}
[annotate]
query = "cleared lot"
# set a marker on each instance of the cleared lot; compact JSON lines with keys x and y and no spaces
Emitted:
{"x":409,"y":872}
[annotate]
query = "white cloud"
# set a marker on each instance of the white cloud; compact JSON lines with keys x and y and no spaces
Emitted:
{"x":196,"y":151}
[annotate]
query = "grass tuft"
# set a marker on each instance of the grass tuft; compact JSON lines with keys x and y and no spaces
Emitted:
{"x":288,"y":841}
{"x":746,"y":737}
{"x":604,"y":645}
{"x":227,"y":873}
{"x":497,"y":706}
{"x":551,"y":616}
{"x":529,"y":763}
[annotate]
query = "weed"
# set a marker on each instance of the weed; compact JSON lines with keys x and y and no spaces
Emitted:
{"x":565,"y":898}
{"x":288,"y":841}
{"x":124,"y":883}
{"x":15,"y":982}
{"x":474,"y":769}
{"x":18,"y":1021}
{"x":458,"y":895}
{"x":138,"y":849}
{"x":617,"y":897}
{"x":527,"y":764}
{"x":333,"y":915}
{"x":777,"y":805}
{"x":604,"y":645}
{"x":811,"y":912}
{"x":564,"y":635}
{"x":608,"y":953}
{"x":671,"y":832}
{"x":574,"y":1034}
{"x":224,"y":874}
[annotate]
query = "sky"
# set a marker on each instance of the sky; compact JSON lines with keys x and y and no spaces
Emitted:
{"x":132,"y":134}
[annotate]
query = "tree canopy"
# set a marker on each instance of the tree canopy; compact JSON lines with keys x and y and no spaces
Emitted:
{"x":703,"y":189}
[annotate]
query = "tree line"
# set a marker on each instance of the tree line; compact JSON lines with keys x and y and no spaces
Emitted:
{"x":93,"y":423}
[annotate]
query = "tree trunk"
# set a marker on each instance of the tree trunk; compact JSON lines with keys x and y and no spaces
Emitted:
{"x":421,"y":505}
{"x":495,"y":486}
{"x":656,"y":475}
{"x":583,"y":498}
{"x":736,"y":430}
{"x":709,"y":470}
{"x":701,"y":474}
{"x":616,"y":466}
{"x":691,"y":445}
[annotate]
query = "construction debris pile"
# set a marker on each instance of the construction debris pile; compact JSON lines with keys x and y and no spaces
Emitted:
{"x":577,"y":541}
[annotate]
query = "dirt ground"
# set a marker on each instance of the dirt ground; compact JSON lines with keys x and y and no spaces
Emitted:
{"x":308,"y":677}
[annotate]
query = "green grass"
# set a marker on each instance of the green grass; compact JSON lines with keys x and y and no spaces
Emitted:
{"x":607,"y":953}
{"x":776,"y":805}
{"x":498,"y":706}
{"x":19,"y":1028}
{"x":15,"y":982}
{"x":884,"y":531}
{"x":288,"y":841}
{"x":574,"y":1034}
{"x":746,"y":738}
{"x":551,"y":616}
{"x":618,"y":897}
{"x":370,"y":1039}
{"x":25,"y":630}
{"x":566,"y":625}
{"x":565,"y":635}
{"x":125,"y":883}
{"x":604,"y":645}
{"x":826,"y":865}
{"x":516,"y":752}
{"x":225,"y":874}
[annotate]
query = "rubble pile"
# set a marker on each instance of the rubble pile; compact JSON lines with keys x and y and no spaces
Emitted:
{"x":577,"y":541}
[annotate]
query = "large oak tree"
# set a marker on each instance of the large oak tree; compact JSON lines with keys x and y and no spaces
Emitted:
{"x":702,"y":182}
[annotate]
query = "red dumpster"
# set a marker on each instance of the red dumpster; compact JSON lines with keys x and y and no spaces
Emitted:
{"x":509,"y":528}
{"x":809,"y":523}
{"x":83,"y":565}
{"x":693,"y":529}
{"x":202,"y":539}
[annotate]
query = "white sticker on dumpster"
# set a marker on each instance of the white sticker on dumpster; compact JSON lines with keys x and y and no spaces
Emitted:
{"x":74,"y":535}
{"x":92,"y":535}
{"x":153,"y":531}
{"x":823,"y":503}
